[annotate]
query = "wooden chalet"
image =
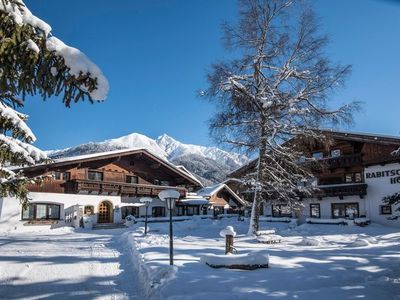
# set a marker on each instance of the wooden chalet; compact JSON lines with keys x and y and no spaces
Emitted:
{"x":341,"y":175}
{"x":107,"y":186}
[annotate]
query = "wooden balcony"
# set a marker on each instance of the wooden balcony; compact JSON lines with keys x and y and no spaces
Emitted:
{"x":343,"y":161}
{"x":78,"y":186}
{"x":341,"y":190}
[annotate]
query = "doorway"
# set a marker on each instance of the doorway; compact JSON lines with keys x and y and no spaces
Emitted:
{"x":105,"y":212}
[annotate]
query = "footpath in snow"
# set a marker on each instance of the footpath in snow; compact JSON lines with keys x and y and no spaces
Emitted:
{"x":311,"y":262}
{"x":64,"y":264}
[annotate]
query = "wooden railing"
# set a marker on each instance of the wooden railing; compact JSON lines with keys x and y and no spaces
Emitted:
{"x":357,"y":189}
{"x":78,"y":186}
{"x":343,"y":161}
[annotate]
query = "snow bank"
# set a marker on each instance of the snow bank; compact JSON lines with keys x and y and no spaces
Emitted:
{"x":254,"y":258}
{"x":309,"y":241}
{"x":364,"y":240}
{"x":151,"y":277}
{"x":339,"y":221}
{"x":278,"y":219}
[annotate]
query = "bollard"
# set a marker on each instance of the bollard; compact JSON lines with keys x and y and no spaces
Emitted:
{"x":228,"y":244}
{"x":228,"y":233}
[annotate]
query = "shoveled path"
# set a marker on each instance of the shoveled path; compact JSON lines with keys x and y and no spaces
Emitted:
{"x":62,"y":264}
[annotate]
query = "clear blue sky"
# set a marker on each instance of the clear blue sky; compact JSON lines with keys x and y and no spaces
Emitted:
{"x":155,"y":54}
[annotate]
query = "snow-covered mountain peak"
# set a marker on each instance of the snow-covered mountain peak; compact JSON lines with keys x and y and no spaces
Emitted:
{"x":210,"y":164}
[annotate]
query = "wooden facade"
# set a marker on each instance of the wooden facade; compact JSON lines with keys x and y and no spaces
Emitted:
{"x":132,"y":173}
{"x":341,"y":162}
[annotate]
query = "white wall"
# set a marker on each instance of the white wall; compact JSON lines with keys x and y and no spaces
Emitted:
{"x":379,"y":187}
{"x":326,"y":205}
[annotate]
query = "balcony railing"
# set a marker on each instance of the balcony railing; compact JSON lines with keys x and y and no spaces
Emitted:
{"x":343,"y":161}
{"x":341,"y":190}
{"x":78,"y":186}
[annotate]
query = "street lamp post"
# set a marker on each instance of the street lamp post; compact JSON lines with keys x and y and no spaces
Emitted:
{"x":146,"y":201}
{"x":170,"y":196}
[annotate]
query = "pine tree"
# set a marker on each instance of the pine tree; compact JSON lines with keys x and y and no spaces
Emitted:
{"x":33,"y":62}
{"x":277,"y":88}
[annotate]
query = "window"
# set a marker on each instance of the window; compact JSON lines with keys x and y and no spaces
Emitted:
{"x":66,"y":176}
{"x":158,"y":211}
{"x":41,"y":211}
{"x":93,"y":175}
{"x":129,"y":210}
{"x":348,"y":178}
{"x":335,"y":153}
{"x":57,"y":175}
{"x":131,"y":179}
{"x":156,"y":182}
{"x":386,"y":209}
{"x":358,"y":177}
{"x":89,"y":210}
{"x":315,"y":210}
{"x":281,"y":210}
{"x":345,"y":210}
{"x":318,"y":155}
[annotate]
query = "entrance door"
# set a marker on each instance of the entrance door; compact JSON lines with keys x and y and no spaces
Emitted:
{"x":105,"y":210}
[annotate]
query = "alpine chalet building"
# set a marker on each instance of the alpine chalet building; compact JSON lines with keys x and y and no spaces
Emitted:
{"x":355,"y":172}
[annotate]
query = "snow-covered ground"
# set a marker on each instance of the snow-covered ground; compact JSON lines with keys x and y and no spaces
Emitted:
{"x":312,"y":262}
{"x":63,"y":264}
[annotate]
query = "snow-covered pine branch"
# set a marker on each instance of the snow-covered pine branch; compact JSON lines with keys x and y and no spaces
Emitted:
{"x":282,"y":82}
{"x":33,"y":62}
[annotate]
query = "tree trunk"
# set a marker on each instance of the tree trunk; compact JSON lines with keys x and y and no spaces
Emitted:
{"x":258,"y":195}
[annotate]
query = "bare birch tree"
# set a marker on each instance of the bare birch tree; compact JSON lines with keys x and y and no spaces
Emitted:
{"x":277,"y":88}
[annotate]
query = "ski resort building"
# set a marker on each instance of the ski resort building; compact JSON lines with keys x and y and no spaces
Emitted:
{"x":107,"y":187}
{"x":355,"y":172}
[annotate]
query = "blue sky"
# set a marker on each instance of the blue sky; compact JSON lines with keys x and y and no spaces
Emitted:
{"x":155,"y":54}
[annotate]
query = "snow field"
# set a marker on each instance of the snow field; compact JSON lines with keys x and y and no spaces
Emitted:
{"x":313,"y":261}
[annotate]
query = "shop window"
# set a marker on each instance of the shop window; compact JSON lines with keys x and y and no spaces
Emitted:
{"x":131,"y":179}
{"x":386,"y":209}
{"x":281,"y":210}
{"x":335,"y":153}
{"x":318,"y":155}
{"x":93,"y":175}
{"x":158,"y":211}
{"x":345,"y":210}
{"x":41,"y":211}
{"x":315,"y":210}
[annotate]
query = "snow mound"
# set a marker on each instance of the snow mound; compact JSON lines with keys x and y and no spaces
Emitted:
{"x":248,"y":259}
{"x":271,"y":238}
{"x":227,"y":231}
{"x":309,"y":241}
{"x":364,"y":240}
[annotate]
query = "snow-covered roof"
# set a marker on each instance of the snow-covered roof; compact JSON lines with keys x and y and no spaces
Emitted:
{"x":209,"y":191}
{"x":194,"y":201}
{"x":93,"y":156}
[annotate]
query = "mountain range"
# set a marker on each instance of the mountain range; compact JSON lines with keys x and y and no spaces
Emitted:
{"x":209,"y":164}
